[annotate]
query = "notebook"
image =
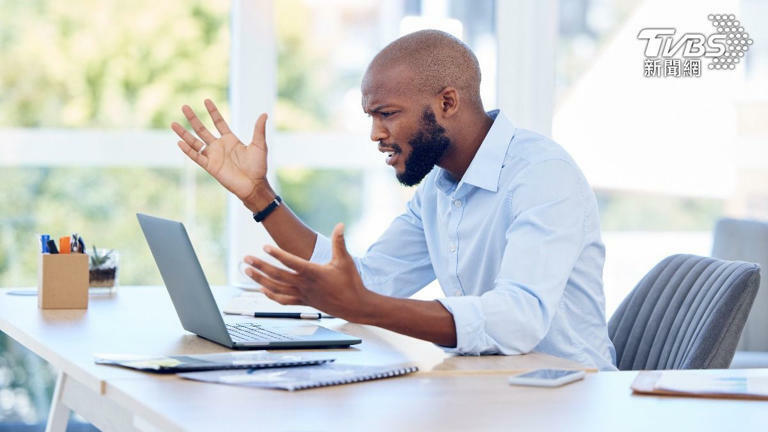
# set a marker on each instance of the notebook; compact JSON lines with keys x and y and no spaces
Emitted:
{"x":207,"y":362}
{"x":300,"y":378}
{"x":728,"y":383}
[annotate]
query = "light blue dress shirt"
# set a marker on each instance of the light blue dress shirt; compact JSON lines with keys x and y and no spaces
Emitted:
{"x":515,"y":246}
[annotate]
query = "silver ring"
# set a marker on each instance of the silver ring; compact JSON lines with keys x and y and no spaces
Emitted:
{"x":202,"y":148}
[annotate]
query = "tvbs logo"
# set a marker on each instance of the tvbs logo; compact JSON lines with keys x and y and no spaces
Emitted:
{"x":668,"y":55}
{"x":660,"y":42}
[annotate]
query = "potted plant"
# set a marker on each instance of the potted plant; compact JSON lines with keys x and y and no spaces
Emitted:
{"x":102,"y":268}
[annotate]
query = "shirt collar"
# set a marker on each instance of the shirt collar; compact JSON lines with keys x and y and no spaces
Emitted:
{"x":485,"y":169}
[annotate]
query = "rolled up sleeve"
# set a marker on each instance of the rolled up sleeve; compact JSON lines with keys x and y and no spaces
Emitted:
{"x":543,"y":242}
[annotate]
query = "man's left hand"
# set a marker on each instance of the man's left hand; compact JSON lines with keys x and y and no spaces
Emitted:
{"x":335,"y":288}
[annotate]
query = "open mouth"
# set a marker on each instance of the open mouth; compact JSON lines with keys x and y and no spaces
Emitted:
{"x":392,"y":158}
{"x":392,"y":154}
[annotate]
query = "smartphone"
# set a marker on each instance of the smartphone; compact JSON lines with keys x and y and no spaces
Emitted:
{"x":546,"y":377}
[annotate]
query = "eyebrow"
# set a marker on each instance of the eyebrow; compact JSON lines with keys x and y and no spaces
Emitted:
{"x":377,"y":109}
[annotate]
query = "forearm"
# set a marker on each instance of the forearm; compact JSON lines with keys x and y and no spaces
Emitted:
{"x":285,"y":228}
{"x":426,"y":320}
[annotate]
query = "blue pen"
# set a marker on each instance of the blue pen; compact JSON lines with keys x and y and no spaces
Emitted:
{"x":44,"y":243}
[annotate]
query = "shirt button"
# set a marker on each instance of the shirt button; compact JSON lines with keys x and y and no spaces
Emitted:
{"x":452,"y":248}
{"x":457,"y":203}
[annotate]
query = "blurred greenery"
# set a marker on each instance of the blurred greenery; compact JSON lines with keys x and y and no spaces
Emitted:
{"x":113,"y":64}
{"x":103,"y":64}
{"x":101,"y":204}
{"x":89,"y":63}
{"x":322,"y":197}
{"x":309,"y":86}
{"x":637,"y":211}
{"x":26,"y":384}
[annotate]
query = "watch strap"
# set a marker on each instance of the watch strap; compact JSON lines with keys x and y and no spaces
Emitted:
{"x":261,"y":215}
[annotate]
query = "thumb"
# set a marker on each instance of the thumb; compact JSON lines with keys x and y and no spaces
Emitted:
{"x":260,"y":132}
{"x":338,"y":246}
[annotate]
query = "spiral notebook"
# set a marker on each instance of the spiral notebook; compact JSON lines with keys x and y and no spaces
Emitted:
{"x":300,"y":378}
{"x":207,"y":362}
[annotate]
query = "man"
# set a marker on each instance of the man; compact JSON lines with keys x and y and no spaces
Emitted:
{"x":503,"y":218}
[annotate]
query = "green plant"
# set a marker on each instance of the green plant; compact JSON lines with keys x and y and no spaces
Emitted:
{"x":99,"y":259}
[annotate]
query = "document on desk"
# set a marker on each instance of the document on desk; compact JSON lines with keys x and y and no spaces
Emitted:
{"x":250,"y":302}
{"x":300,"y":378}
{"x":206,"y":362}
{"x":729,"y":383}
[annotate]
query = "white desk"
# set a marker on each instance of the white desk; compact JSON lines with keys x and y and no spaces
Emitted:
{"x":141,"y":320}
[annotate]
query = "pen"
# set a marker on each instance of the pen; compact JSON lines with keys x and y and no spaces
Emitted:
{"x":64,"y":245}
{"x":44,"y":243}
{"x":52,"y":247}
{"x":292,"y":315}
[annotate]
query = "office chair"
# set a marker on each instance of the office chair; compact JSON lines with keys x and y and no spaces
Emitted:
{"x":686,"y":313}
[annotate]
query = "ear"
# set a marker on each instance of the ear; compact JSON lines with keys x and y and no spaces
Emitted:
{"x":448,"y":102}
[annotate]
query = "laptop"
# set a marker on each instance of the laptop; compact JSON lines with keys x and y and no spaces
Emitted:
{"x":197,"y":310}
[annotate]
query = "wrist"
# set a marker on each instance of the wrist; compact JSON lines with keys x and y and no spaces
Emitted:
{"x":261,"y":196}
{"x":368,"y":308}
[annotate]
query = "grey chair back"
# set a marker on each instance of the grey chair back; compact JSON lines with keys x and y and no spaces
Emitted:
{"x":747,"y":240}
{"x":686,"y":313}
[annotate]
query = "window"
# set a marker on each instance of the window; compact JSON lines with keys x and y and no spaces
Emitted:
{"x":87,"y":90}
{"x":87,"y":100}
{"x":321,"y":130}
{"x":667,"y":157}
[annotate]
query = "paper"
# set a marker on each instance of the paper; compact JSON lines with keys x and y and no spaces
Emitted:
{"x":737,"y":384}
{"x":729,"y":383}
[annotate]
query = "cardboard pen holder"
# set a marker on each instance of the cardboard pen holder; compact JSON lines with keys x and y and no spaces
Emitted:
{"x":62,"y":281}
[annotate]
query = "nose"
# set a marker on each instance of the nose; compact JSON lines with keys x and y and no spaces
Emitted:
{"x":378,"y":132}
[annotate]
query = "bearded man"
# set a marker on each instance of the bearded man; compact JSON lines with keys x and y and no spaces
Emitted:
{"x":503,"y":218}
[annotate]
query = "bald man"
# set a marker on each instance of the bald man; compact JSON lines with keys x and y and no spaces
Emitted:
{"x":503,"y":218}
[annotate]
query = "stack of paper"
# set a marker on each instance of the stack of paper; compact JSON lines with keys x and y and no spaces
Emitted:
{"x":728,"y":383}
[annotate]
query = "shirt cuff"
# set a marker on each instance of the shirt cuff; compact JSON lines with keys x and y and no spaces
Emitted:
{"x":322,"y":252}
{"x":469,"y":319}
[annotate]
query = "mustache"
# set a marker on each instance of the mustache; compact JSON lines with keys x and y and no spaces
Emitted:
{"x":393,"y":147}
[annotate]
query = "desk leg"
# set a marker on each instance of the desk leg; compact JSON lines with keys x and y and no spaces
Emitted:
{"x":71,"y":396}
{"x":58,"y":416}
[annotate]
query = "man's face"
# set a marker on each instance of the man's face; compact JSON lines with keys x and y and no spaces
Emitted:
{"x":404,"y":124}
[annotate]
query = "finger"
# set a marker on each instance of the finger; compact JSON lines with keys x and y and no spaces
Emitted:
{"x":266,"y":281}
{"x":260,"y":132}
{"x":197,"y":125}
{"x":187,"y":136}
{"x":290,"y":260}
{"x":281,"y":298}
{"x":275,"y":273}
{"x":198,"y":157}
{"x":218,"y":120}
{"x":338,"y":246}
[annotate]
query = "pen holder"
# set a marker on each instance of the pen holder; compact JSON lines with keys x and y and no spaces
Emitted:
{"x":62,"y":281}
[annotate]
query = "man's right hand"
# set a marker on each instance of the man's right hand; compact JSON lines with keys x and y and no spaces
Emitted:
{"x":239,"y":168}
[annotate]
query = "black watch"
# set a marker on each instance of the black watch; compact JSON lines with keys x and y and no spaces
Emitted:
{"x":260,"y":216}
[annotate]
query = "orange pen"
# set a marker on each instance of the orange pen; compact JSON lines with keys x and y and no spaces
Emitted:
{"x":64,"y":245}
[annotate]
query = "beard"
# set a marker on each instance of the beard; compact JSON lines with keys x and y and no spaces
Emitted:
{"x":427,"y":147}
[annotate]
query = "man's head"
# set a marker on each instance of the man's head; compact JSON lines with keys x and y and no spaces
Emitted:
{"x":420,"y":90}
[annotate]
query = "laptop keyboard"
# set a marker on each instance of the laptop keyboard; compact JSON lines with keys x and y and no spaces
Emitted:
{"x":246,"y":332}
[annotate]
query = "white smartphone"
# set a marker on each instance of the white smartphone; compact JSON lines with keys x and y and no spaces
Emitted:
{"x":546,"y":377}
